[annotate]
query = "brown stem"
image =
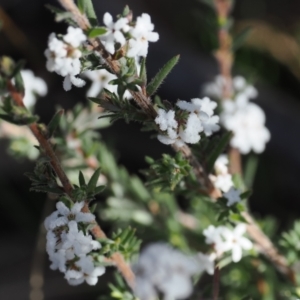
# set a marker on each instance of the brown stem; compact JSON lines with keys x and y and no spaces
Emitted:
{"x":216,"y":283}
{"x":44,"y":143}
{"x":224,"y":57}
{"x":96,"y":230}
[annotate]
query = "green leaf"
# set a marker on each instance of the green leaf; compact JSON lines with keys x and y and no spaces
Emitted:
{"x":81,"y":179}
{"x":86,"y":6}
{"x":93,"y":181}
{"x":54,"y":9}
{"x":250,"y":170}
{"x":54,"y":123}
{"x":126,"y":11}
{"x":246,"y":195}
{"x":143,"y":71}
{"x":18,"y":67}
{"x":161,"y":75}
{"x":219,"y":148}
{"x":47,"y":189}
{"x":99,"y":189}
{"x":19,"y":83}
{"x":241,"y":37}
{"x":26,"y":120}
{"x":96,"y":31}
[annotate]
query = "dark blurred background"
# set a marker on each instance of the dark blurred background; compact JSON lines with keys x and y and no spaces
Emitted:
{"x":270,"y":57}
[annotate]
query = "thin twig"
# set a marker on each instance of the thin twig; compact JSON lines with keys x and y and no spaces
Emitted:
{"x":216,"y":283}
{"x":46,"y":146}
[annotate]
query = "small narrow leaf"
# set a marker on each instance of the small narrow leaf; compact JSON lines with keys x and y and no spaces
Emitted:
{"x":81,"y":5}
{"x":96,"y":31}
{"x":246,"y":195}
{"x":93,"y":181}
{"x":54,"y":123}
{"x":218,"y":150}
{"x":241,"y":37}
{"x":161,"y":75}
{"x":81,"y":179}
{"x":19,"y":121}
{"x":18,"y":67}
{"x":143,"y":71}
{"x":126,"y":11}
{"x":19,"y":83}
{"x":99,"y":189}
{"x":86,"y":6}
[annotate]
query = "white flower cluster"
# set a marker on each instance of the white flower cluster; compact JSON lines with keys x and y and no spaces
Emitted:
{"x":163,"y":269}
{"x":69,"y":248}
{"x":140,"y":34}
{"x":34,"y":86}
{"x":223,"y":179}
{"x":246,"y":120}
{"x":63,"y":56}
{"x":200,"y":118}
{"x":224,"y":239}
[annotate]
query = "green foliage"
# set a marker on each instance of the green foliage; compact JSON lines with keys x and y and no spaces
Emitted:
{"x":167,"y":172}
{"x":119,"y":290}
{"x":89,"y":190}
{"x":290,"y":241}
{"x":61,"y":15}
{"x":54,"y":123}
{"x":158,"y":79}
{"x":8,"y":67}
{"x":43,"y":179}
{"x":230,"y":214}
{"x":86,"y":6}
{"x":96,"y":31}
{"x":123,"y":241}
{"x":119,"y":109}
{"x":15,"y":114}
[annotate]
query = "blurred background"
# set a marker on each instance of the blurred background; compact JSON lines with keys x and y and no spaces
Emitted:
{"x":270,"y":58}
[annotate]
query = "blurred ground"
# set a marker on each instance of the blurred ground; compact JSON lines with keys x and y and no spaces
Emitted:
{"x":183,"y":29}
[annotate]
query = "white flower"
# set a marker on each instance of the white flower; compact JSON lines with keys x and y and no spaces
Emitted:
{"x":114,"y":32}
{"x":161,"y":268}
{"x":166,"y":120}
{"x":100,"y":80}
{"x":88,"y":272}
{"x":63,"y":56}
{"x":206,"y":262}
{"x":223,"y":181}
{"x":191,"y":133}
{"x":63,"y":215}
{"x":224,"y":239}
{"x":221,"y":164}
{"x":33,"y":86}
{"x":141,"y":34}
{"x":69,"y":248}
{"x":233,"y":196}
{"x":76,"y":243}
{"x":169,"y":141}
{"x":235,"y":242}
{"x":248,"y":126}
{"x":204,"y":109}
{"x":213,"y":235}
{"x":74,"y":37}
